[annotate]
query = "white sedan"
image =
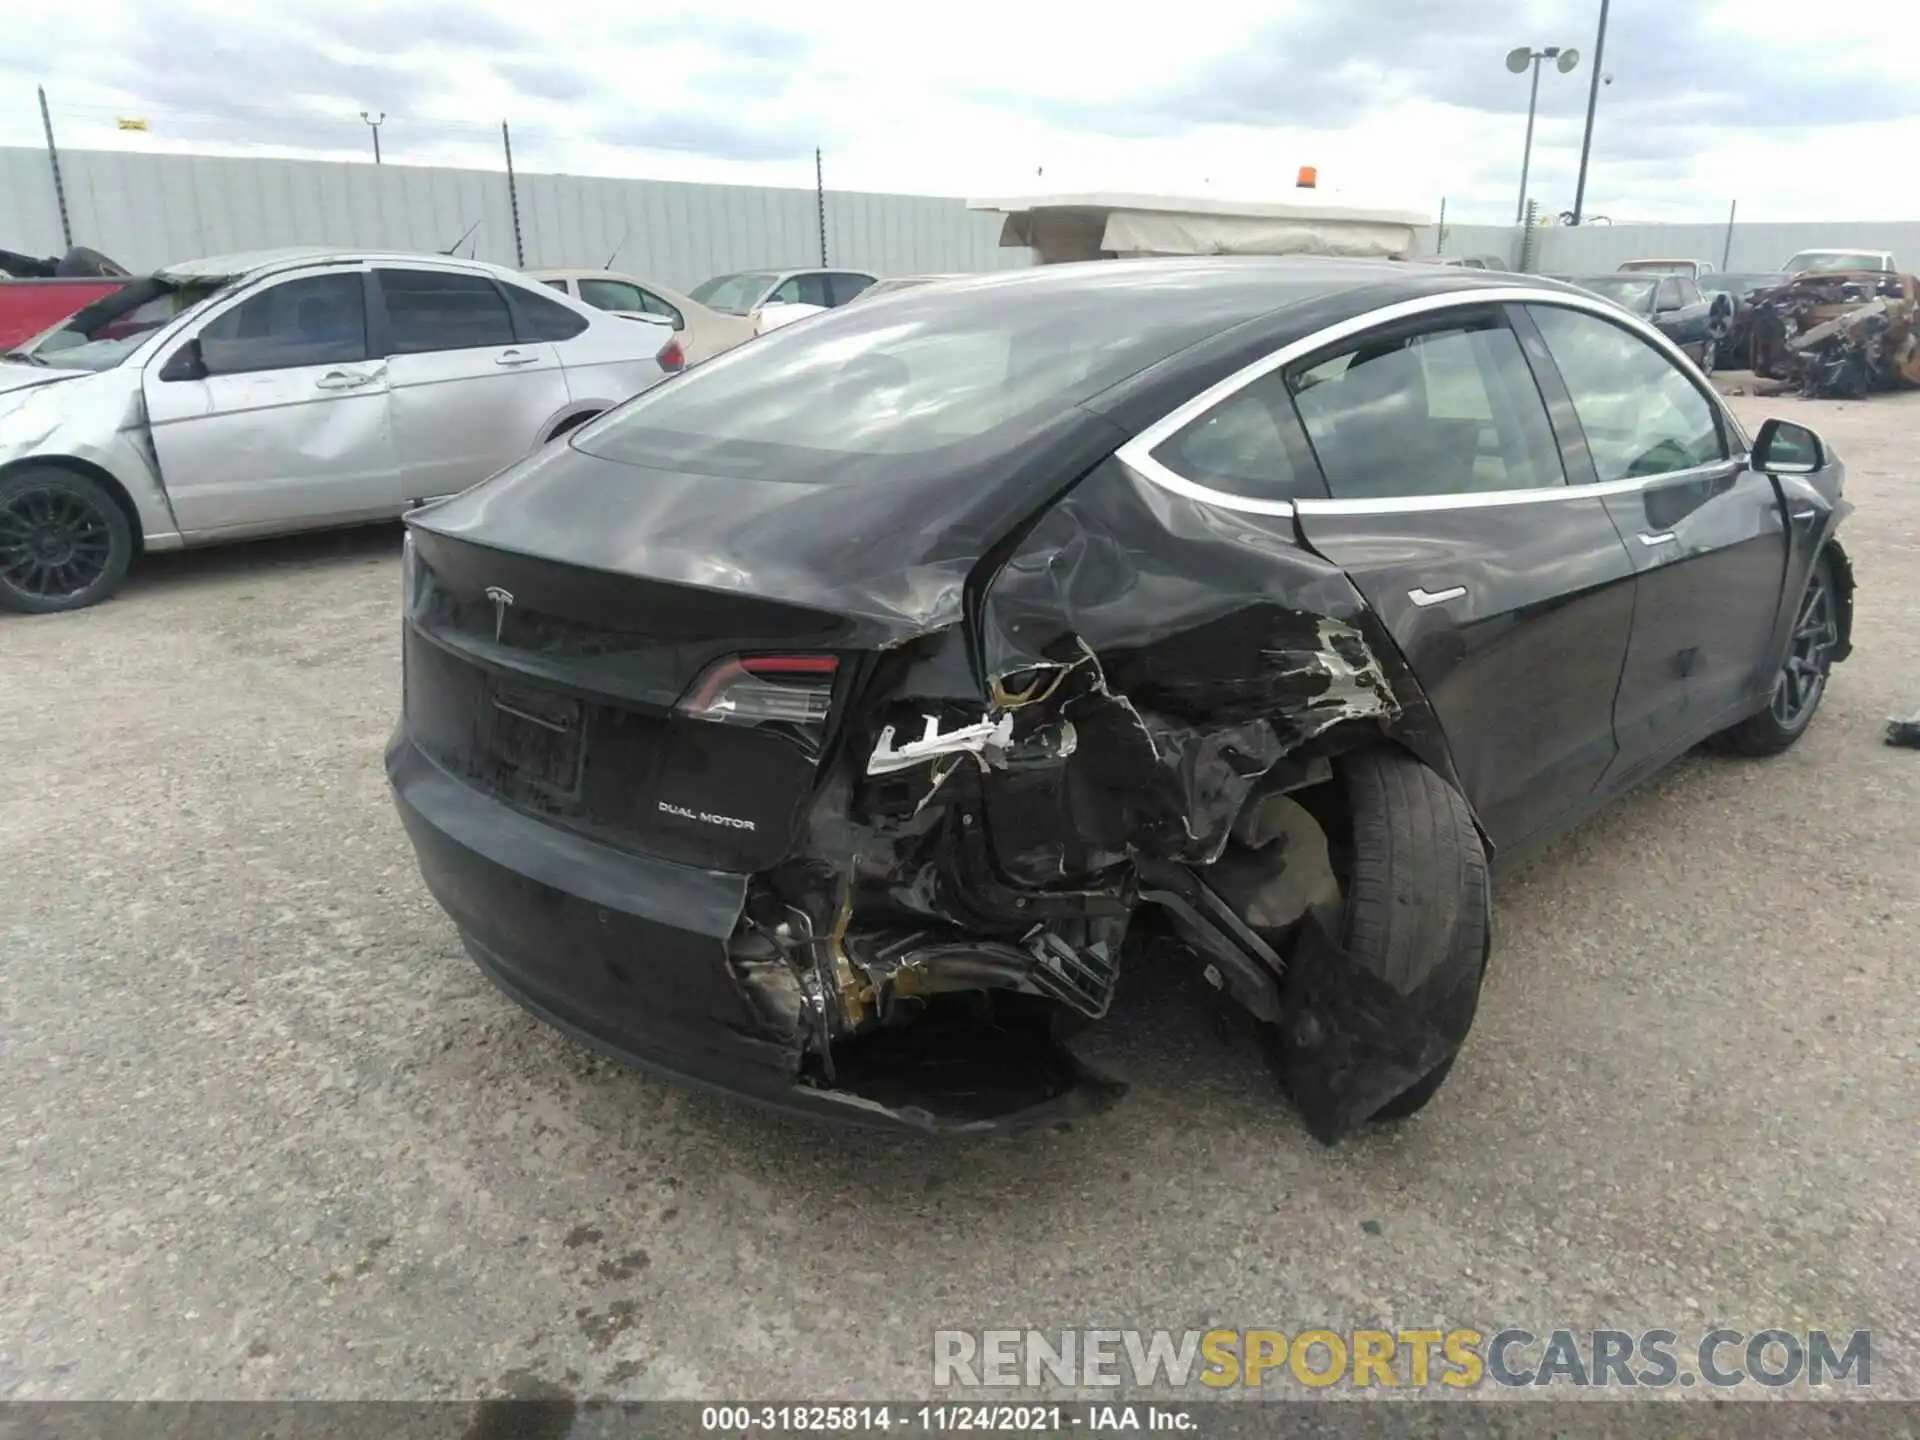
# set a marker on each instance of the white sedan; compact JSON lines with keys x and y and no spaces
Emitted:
{"x":288,"y":390}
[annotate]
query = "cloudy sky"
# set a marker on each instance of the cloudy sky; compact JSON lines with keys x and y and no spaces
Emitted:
{"x":1398,"y":101}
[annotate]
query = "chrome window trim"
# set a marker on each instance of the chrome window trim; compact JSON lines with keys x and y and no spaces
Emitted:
{"x":1137,"y":453}
{"x":1478,"y":500}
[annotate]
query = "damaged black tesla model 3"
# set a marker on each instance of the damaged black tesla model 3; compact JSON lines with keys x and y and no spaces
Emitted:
{"x":816,"y":725}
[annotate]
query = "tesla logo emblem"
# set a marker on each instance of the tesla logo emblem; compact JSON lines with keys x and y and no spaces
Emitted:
{"x":502,"y":602}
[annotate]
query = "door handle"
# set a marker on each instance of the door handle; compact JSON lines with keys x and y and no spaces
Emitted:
{"x":1650,"y":538}
{"x":342,"y":380}
{"x":1423,"y":598}
{"x":514,"y":357}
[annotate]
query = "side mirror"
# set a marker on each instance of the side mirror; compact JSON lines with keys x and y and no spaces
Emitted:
{"x":1785,"y":448}
{"x":186,"y":363}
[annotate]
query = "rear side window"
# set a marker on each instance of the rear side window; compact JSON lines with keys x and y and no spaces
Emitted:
{"x":610,"y":294}
{"x":808,"y":289}
{"x":314,"y":320}
{"x":535,"y":317}
{"x":654,"y":305}
{"x":843,"y":286}
{"x":1241,"y":446}
{"x":431,"y":310}
{"x":1438,"y":412}
{"x":1640,"y":414}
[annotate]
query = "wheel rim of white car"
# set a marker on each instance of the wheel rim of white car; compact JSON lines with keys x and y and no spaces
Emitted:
{"x":53,"y":543}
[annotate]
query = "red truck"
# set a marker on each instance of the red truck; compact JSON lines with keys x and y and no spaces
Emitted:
{"x":36,"y":294}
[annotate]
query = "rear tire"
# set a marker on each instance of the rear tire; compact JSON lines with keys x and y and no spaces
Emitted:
{"x":65,"y":543}
{"x":1418,"y":897}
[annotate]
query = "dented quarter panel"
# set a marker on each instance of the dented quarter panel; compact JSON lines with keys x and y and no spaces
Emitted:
{"x":1220,"y":645}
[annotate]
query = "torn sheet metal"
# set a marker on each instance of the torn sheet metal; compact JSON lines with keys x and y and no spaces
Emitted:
{"x":1843,"y":335}
{"x":987,"y":740}
{"x":1186,"y":672}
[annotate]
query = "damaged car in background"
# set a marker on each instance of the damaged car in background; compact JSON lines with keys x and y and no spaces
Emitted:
{"x":1839,"y":334}
{"x":839,"y":722}
{"x":1696,"y":320}
{"x":264,"y":393}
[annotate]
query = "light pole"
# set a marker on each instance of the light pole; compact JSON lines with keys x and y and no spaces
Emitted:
{"x":1593,"y":98}
{"x":374,"y":122}
{"x":1517,"y":61}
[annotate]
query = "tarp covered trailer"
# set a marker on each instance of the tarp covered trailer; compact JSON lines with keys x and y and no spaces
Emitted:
{"x":1059,"y":228}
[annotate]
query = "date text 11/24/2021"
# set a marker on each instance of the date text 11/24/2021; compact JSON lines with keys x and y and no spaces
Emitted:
{"x":945,"y":1419}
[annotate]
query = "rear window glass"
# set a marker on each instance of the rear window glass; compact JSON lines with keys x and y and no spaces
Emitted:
{"x":734,"y":294}
{"x":853,"y":393}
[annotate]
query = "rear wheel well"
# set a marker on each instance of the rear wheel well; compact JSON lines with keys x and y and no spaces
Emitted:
{"x":97,"y":473}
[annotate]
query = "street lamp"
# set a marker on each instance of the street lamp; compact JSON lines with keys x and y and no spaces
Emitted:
{"x":1593,"y":100}
{"x":1517,"y":61}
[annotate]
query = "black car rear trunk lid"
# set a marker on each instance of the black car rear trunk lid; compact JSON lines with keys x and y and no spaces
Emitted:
{"x":576,"y":695}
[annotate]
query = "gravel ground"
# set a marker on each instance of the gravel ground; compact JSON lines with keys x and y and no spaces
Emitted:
{"x":267,"y":1133}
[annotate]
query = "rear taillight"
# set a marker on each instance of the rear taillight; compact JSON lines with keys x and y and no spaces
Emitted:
{"x":671,"y":357}
{"x":763,"y":689}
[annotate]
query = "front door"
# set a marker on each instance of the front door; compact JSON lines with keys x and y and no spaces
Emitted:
{"x":1509,"y":594}
{"x":283,"y":421}
{"x":469,"y":398}
{"x":1706,"y":533}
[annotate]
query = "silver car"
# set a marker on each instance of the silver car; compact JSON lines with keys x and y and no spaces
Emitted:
{"x":258,"y":394}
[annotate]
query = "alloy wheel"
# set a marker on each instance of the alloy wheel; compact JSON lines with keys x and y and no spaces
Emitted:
{"x":1803,"y":678}
{"x":53,"y":543}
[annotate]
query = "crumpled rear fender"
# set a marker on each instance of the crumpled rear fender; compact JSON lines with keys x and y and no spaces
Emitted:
{"x":1222,"y":645}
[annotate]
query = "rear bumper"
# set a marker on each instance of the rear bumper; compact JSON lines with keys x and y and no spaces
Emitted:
{"x":627,"y":953}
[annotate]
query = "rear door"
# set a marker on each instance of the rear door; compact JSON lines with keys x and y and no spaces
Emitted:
{"x":1510,"y":595}
{"x":284,"y":421}
{"x":468,"y":396}
{"x":1706,"y":533}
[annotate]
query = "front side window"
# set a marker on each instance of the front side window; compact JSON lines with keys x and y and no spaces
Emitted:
{"x":1437,"y":412}
{"x":430,"y":310}
{"x":314,"y":320}
{"x":1641,"y":415}
{"x":1669,"y":296}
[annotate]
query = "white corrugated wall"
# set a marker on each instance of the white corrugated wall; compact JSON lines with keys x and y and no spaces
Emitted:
{"x":147,"y":210}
